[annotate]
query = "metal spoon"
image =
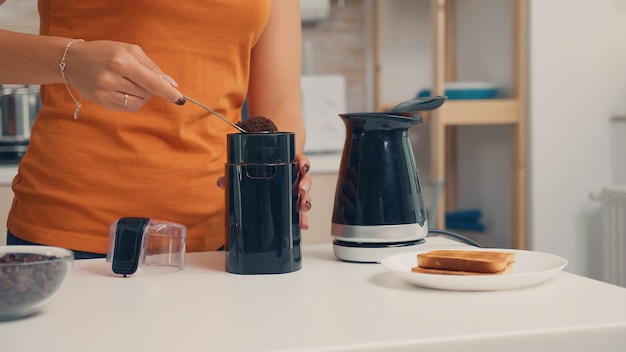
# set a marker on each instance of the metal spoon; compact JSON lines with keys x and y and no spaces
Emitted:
{"x":215,"y":113}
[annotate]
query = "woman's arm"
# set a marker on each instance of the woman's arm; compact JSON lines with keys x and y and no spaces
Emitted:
{"x":101,"y":71}
{"x":30,"y":59}
{"x":275,"y":86}
{"x":274,"y":89}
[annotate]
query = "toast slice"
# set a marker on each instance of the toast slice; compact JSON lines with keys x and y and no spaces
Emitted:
{"x":421,"y":270}
{"x":472,"y":261}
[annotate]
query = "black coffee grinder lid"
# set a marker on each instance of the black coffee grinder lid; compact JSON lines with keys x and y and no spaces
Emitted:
{"x":261,"y":148}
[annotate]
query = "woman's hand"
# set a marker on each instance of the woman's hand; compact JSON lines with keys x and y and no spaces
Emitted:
{"x":117,"y":76}
{"x":304,"y":187}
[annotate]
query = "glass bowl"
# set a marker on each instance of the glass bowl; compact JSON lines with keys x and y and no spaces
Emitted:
{"x":30,"y":277}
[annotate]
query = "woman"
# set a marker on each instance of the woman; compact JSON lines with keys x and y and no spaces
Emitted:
{"x":114,"y":137}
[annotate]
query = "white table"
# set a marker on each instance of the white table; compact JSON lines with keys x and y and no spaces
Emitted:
{"x":326,"y":306}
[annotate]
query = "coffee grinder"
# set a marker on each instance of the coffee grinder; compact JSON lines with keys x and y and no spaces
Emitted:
{"x":262,"y":219}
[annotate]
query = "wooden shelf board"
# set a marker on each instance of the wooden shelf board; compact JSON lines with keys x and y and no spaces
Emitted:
{"x":476,"y":112}
{"x":479,"y":112}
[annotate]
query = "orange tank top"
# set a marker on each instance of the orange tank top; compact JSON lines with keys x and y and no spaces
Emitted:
{"x":78,"y":176}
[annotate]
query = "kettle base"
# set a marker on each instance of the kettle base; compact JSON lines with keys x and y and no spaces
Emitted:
{"x":362,"y":252}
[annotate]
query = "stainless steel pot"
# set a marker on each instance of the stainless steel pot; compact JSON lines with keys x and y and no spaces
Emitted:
{"x":19,"y":105}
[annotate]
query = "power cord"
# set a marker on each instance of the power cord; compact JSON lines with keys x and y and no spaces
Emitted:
{"x":456,"y":236}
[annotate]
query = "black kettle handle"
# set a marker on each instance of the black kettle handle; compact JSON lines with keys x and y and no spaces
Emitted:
{"x":418,"y":104}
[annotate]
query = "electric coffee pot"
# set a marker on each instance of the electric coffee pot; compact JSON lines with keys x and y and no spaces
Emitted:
{"x":378,"y":208}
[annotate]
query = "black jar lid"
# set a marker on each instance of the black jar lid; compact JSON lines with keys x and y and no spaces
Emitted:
{"x":261,"y":148}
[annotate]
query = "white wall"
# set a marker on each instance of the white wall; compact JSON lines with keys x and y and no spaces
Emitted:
{"x":618,"y":147}
{"x":484,"y":51}
{"x":577,"y":82}
{"x":19,"y":16}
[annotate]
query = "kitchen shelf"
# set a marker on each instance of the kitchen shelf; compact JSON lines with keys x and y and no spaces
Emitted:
{"x":444,"y":121}
{"x":475,"y":112}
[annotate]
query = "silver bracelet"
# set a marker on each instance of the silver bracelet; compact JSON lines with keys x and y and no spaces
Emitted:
{"x":67,"y":86}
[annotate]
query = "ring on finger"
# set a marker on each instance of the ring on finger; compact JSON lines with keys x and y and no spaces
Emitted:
{"x":125,"y":99}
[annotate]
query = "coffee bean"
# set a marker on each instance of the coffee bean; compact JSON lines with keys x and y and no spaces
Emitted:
{"x":22,"y":284}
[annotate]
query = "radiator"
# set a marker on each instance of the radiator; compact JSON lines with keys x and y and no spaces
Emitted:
{"x":614,"y":234}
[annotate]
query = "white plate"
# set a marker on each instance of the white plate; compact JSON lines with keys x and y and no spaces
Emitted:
{"x":530,"y":268}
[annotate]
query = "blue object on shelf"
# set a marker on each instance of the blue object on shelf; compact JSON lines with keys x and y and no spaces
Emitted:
{"x":465,"y":220}
{"x":465,"y":225}
{"x":466,"y":90}
{"x":464,"y":215}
